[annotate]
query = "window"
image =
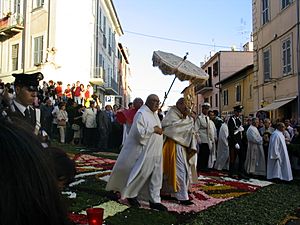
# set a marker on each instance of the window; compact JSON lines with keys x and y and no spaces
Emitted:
{"x":104,"y":32}
{"x":225,"y":97}
{"x":286,"y":57}
{"x":17,"y":7}
{"x":216,"y":100}
{"x":285,"y":3}
{"x":265,"y":11}
{"x":99,"y":15}
{"x":266,"y":65}
{"x":216,"y":69}
{"x":38,"y":50}
{"x":109,"y":41}
{"x":15,"y":56}
{"x":210,"y":100}
{"x":38,"y":3}
{"x":208,"y":83}
{"x":104,"y":25}
{"x":250,"y":91}
{"x":113,"y":42}
{"x":238,"y":92}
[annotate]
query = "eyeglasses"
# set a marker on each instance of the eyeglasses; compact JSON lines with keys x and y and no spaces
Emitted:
{"x":156,"y":101}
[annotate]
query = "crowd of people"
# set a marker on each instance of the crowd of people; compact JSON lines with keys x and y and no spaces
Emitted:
{"x":160,"y":155}
{"x":73,"y":115}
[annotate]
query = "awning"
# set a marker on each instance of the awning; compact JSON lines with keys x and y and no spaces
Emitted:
{"x":277,"y":104}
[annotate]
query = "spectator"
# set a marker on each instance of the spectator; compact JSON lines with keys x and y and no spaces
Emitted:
{"x":104,"y":127}
{"x":125,"y":116}
{"x":82,"y":92}
{"x":68,"y":92}
{"x":289,"y":128}
{"x":296,"y":137}
{"x":89,"y":120}
{"x":65,"y":169}
{"x":77,"y":93}
{"x":28,"y":185}
{"x":62,"y":120}
{"x":59,"y":91}
{"x":46,"y":120}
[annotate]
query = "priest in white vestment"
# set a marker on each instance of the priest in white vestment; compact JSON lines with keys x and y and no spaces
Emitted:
{"x":279,"y":165}
{"x":138,"y":170}
{"x":179,"y":152}
{"x":214,"y":139}
{"x":255,"y":158}
{"x":222,"y":162}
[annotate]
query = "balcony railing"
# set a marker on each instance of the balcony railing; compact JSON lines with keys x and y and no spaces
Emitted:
{"x":97,"y":76}
{"x":201,"y":89}
{"x":10,"y":26}
{"x":111,"y":87}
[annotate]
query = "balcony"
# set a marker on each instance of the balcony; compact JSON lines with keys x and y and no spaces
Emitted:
{"x":97,"y":77}
{"x":201,"y":89}
{"x":10,"y":25}
{"x":111,"y":87}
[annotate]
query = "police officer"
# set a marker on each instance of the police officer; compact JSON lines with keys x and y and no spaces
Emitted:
{"x":26,"y":87}
{"x":236,"y":147}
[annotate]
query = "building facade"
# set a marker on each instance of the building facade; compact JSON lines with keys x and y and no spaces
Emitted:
{"x":276,"y":57}
{"x":237,"y":89}
{"x":221,"y":65}
{"x":67,"y":44}
{"x":124,"y":76}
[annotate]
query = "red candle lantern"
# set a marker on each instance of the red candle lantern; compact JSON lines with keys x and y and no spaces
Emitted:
{"x":95,"y":216}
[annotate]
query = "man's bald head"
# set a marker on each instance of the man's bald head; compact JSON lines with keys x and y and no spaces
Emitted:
{"x":137,"y":103}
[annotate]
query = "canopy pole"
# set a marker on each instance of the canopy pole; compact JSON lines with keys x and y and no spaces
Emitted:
{"x":166,"y":93}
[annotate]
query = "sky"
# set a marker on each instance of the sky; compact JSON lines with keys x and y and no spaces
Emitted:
{"x":212,"y":25}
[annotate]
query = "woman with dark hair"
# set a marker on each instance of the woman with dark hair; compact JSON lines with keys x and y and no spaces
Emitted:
{"x":65,"y":168}
{"x":28,"y":187}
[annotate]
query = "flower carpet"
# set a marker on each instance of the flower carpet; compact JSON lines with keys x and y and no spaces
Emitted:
{"x":211,"y":189}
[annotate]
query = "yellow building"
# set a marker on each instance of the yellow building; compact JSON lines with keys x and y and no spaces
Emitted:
{"x":219,"y":67}
{"x":276,"y":57}
{"x":237,"y":89}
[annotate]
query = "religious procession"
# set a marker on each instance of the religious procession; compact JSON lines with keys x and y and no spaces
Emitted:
{"x":160,"y":154}
{"x":91,"y":135}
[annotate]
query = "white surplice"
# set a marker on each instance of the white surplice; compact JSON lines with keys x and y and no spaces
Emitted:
{"x":255,"y":159}
{"x":181,"y":130}
{"x":214,"y":137}
{"x":279,"y":165}
{"x":138,"y":169}
{"x":222,"y":161}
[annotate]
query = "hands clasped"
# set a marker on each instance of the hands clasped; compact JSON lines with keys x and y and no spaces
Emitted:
{"x":158,"y":130}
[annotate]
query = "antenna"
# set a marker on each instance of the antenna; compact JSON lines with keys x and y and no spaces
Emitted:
{"x":243,"y":32}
